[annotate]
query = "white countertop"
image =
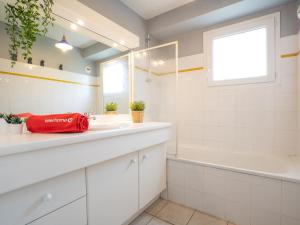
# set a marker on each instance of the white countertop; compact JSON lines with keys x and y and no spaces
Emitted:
{"x":13,"y":144}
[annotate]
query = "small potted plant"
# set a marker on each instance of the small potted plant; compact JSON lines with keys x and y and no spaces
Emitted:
{"x":137,"y":111}
{"x":111,"y":108}
{"x":15,"y":123}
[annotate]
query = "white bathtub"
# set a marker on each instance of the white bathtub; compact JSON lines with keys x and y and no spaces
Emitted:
{"x":245,"y":189}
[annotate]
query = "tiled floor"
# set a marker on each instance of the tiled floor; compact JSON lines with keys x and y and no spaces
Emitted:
{"x":163,"y":212}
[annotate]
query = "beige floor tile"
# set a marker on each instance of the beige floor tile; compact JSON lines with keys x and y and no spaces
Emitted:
{"x":156,"y":221}
{"x":158,"y":205}
{"x":203,"y":219}
{"x":142,"y":219}
{"x":175,"y":214}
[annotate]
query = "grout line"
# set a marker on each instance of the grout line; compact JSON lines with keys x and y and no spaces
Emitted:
{"x":163,"y":206}
{"x":150,"y":219}
{"x":191,"y":217}
{"x":164,"y":220}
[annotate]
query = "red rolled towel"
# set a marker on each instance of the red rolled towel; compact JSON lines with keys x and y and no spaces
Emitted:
{"x":24,"y":115}
{"x":57,"y":123}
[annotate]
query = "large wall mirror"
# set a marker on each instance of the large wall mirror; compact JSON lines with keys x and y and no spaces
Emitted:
{"x":64,"y":74}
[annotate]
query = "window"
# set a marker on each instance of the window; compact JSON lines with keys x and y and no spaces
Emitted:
{"x":242,"y":53}
{"x":114,"y":77}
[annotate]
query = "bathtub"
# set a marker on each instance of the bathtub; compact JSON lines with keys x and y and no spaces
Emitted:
{"x":245,"y":189}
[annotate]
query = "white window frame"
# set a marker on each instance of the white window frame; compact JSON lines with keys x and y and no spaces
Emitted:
{"x":271,"y":22}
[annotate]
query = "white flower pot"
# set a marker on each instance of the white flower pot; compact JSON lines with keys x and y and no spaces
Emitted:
{"x":3,"y":126}
{"x":15,"y":128}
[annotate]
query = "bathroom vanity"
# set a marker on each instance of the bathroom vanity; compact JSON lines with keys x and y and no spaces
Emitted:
{"x":98,"y":177}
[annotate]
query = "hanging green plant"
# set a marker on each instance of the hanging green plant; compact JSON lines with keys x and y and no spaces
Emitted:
{"x":26,"y":20}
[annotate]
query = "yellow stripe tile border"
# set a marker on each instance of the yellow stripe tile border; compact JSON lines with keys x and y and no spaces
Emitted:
{"x":289,"y":55}
{"x":47,"y":78}
{"x":168,"y":73}
{"x":191,"y":69}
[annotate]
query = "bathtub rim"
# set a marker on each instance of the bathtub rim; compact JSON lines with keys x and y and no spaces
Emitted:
{"x":287,"y":177}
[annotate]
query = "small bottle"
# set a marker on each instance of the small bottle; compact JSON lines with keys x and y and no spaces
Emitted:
{"x":42,"y":63}
{"x":61,"y":67}
{"x":29,"y":60}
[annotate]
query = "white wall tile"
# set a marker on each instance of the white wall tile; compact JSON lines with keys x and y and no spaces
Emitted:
{"x":194,"y":176}
{"x":214,"y":205}
{"x":194,"y":198}
{"x":262,"y":217}
{"x":237,"y":213}
{"x":176,"y":193}
{"x":214,"y":181}
{"x":175,"y":172}
{"x":285,"y":220}
{"x":266,"y":194}
{"x":291,"y":200}
{"x":238,"y":187}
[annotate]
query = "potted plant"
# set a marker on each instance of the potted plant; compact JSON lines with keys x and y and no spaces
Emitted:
{"x":26,"y":21}
{"x":15,"y":123}
{"x":111,"y":108}
{"x":137,"y":111}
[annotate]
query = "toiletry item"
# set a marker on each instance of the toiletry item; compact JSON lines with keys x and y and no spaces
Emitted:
{"x":57,"y":123}
{"x":42,"y":63}
{"x":29,"y":60}
{"x":61,"y":67}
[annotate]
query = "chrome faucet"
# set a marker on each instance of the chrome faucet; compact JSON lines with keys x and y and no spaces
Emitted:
{"x":89,"y":116}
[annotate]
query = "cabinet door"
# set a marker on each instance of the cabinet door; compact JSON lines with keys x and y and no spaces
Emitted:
{"x":152,"y":175}
{"x":72,"y":214}
{"x":112,"y":189}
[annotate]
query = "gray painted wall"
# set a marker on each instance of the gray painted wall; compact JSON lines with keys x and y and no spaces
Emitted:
{"x":191,"y":43}
{"x":116,"y":11}
{"x":44,"y":49}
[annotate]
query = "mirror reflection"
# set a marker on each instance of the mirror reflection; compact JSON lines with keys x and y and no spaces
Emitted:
{"x":64,"y":68}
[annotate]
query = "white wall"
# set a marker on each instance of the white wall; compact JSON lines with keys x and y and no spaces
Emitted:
{"x":21,"y":94}
{"x":259,"y":118}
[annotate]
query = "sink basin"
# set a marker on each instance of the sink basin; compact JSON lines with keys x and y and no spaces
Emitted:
{"x":96,"y":125}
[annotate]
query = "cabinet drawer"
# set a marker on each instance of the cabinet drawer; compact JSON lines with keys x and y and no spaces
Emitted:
{"x":72,"y":214}
{"x":27,"y":204}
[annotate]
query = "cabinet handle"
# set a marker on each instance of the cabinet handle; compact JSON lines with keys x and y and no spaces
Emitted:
{"x":133,"y":161}
{"x":47,"y":197}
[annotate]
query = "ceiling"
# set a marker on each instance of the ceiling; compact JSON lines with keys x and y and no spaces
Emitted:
{"x":201,"y":14}
{"x":150,"y":9}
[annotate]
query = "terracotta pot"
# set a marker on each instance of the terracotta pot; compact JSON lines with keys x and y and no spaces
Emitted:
{"x":137,"y":116}
{"x":111,"y":113}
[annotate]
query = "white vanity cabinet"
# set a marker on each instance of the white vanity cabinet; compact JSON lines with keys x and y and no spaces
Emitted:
{"x":119,"y":188}
{"x":152,"y":173}
{"x":94,"y":178}
{"x":113,"y":190}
